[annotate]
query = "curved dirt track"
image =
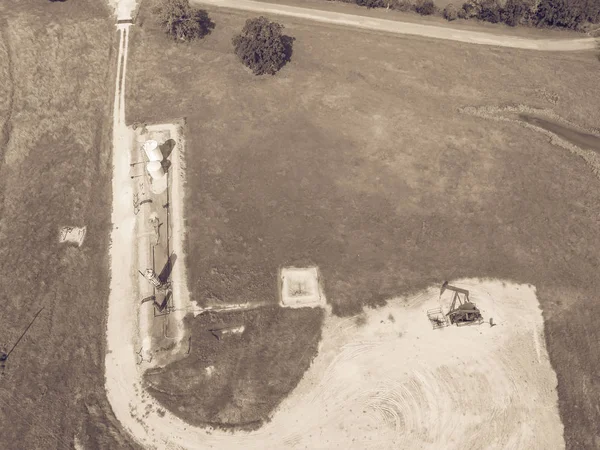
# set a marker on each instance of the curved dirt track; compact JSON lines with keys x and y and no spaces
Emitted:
{"x":393,"y":382}
{"x":397,"y":27}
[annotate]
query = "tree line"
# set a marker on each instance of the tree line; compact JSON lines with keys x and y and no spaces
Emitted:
{"x":182,"y":20}
{"x":570,"y":14}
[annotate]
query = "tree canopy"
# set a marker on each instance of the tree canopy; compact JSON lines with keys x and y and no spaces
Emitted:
{"x":561,"y":13}
{"x":183,"y":22}
{"x":262,"y":47}
{"x":425,"y":7}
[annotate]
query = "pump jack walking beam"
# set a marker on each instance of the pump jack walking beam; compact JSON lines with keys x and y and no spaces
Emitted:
{"x":453,"y":288}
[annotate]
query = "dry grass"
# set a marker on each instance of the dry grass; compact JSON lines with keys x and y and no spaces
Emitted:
{"x":355,"y":158}
{"x":56,"y":65}
{"x":238,"y":381}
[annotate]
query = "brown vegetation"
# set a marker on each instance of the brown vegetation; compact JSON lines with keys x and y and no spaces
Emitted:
{"x":450,"y":12}
{"x":262,"y":46}
{"x":56,"y":79}
{"x":238,"y":379}
{"x":181,"y":21}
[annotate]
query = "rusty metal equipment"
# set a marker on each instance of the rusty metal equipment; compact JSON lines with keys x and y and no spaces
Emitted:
{"x":151,"y":276}
{"x":437,"y":318}
{"x":160,"y":301}
{"x":462,"y":310}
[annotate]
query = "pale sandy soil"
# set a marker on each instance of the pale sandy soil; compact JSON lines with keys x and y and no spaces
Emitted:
{"x":394,"y":382}
{"x":124,"y":9}
{"x":392,"y":26}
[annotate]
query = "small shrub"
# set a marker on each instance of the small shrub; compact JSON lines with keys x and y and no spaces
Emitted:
{"x":486,"y":10}
{"x":450,"y":12}
{"x":371,"y":3}
{"x":560,"y":13}
{"x":593,"y":11}
{"x":262,"y":47}
{"x":515,"y":12}
{"x":489,"y":11}
{"x":401,"y":5}
{"x":183,"y":22}
{"x":468,"y":10}
{"x":425,"y":7}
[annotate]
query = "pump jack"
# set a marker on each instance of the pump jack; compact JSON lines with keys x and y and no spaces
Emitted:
{"x":465,"y":311}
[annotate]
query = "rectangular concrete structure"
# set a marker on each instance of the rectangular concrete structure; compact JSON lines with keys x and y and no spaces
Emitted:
{"x":300,"y":288}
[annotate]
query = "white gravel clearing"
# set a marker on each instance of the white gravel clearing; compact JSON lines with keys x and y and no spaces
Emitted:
{"x":394,"y":382}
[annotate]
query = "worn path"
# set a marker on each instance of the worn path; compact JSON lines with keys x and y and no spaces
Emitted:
{"x":397,"y":27}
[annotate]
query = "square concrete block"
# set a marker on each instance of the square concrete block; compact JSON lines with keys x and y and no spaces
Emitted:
{"x":300,"y":288}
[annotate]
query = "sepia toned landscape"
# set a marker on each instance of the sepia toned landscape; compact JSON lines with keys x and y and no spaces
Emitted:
{"x":388,"y":242}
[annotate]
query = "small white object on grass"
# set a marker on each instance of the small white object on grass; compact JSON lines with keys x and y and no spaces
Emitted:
{"x":75,"y":235}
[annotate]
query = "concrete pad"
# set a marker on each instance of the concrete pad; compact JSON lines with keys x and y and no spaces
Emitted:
{"x":124,"y":10}
{"x":300,"y":288}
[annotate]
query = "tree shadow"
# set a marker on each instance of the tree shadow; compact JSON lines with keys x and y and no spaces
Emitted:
{"x":210,"y":25}
{"x":205,"y":23}
{"x":288,"y":44}
{"x":167,"y":148}
{"x":165,"y":273}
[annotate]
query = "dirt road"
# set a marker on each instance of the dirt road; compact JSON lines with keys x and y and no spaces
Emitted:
{"x":392,"y":26}
{"x":392,"y":382}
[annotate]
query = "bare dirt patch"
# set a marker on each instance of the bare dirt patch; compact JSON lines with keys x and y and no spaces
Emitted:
{"x":401,"y":384}
{"x":383,"y":384}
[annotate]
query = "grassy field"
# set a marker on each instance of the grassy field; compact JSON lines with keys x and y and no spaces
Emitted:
{"x":200,"y":389}
{"x":56,"y":88}
{"x":354,"y":158}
